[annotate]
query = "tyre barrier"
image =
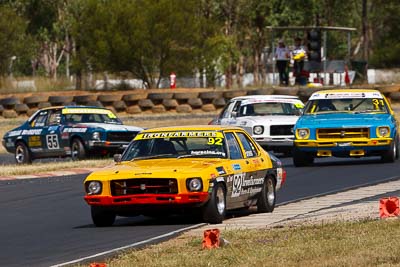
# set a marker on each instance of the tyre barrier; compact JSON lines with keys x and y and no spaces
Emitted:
{"x":84,"y":99}
{"x":158,"y":109}
{"x":389,"y":207}
{"x":60,"y":100}
{"x":9,"y":102}
{"x":21,"y":108}
{"x":158,"y":102}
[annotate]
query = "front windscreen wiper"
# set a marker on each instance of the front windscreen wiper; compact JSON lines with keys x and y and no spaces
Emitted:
{"x":199,"y":156}
{"x":152,"y":156}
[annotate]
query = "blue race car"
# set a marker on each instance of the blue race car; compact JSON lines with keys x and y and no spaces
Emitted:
{"x":76,"y":131}
{"x":346,"y":123}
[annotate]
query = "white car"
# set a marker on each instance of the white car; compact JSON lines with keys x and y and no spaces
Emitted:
{"x":268,"y":118}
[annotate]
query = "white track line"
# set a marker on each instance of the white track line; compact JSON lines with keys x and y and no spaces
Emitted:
{"x":128,"y":246}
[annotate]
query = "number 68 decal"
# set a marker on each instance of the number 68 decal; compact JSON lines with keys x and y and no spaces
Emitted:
{"x":52,"y":141}
{"x":215,"y":141}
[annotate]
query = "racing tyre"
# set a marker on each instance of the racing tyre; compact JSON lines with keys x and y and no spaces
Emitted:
{"x":392,"y":154}
{"x":78,"y":151}
{"x":22,"y":154}
{"x":102,"y":217}
{"x":301,"y":159}
{"x":266,"y":200}
{"x":215,"y":209}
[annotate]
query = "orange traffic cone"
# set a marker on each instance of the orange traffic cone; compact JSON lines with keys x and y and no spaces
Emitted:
{"x":211,"y":239}
{"x":389,"y":207}
{"x":95,"y":264}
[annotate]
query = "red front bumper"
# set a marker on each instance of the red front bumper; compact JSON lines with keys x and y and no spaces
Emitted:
{"x":148,"y":199}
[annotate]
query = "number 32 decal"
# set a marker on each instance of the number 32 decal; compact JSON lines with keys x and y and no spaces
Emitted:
{"x":52,"y":141}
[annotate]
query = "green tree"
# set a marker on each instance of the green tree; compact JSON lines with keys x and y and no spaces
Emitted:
{"x":147,"y":38}
{"x":385,"y":19}
{"x":13,"y":39}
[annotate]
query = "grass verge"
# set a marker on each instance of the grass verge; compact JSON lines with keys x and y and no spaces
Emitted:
{"x":42,"y":167}
{"x":363,"y":243}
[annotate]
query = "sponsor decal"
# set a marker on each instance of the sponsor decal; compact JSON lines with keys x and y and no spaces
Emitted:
{"x":236,"y":167}
{"x":289,"y":101}
{"x":85,"y":111}
{"x":75,"y":130}
{"x":9,"y":143}
{"x":210,"y":187}
{"x":212,"y":176}
{"x":14,"y":133}
{"x":220,"y":179}
{"x":299,"y":105}
{"x":32,"y":132}
{"x":34,"y":141}
{"x":279,"y":172}
{"x":243,"y":186}
{"x":249,"y":154}
{"x":221,"y":170}
{"x":340,"y":95}
{"x":64,"y":136}
{"x":177,"y":134}
{"x":53,"y":128}
{"x":208,"y":152}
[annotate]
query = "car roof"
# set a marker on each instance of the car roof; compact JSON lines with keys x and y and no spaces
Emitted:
{"x":266,"y":97}
{"x":72,"y":107}
{"x":193,"y":128}
{"x":347,"y":91}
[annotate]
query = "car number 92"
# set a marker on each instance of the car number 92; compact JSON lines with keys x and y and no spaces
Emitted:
{"x":52,"y":141}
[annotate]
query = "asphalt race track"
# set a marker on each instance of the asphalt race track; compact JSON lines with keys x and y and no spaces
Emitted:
{"x":46,"y":222}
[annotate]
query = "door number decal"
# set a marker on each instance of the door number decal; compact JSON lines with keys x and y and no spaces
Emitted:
{"x":237,"y":184}
{"x":52,"y":141}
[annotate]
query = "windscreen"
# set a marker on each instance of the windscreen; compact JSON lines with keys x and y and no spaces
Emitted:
{"x":269,"y":108}
{"x":88,"y":115}
{"x":351,"y":105}
{"x":180,"y":144}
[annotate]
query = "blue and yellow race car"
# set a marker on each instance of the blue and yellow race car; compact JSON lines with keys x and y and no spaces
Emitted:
{"x":76,"y":131}
{"x":346,"y":123}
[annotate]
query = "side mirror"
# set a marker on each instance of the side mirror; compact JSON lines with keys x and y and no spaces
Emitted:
{"x":117,"y":158}
{"x":234,"y":114}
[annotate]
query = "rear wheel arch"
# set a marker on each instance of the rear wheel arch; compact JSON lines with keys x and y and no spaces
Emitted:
{"x":267,"y":198}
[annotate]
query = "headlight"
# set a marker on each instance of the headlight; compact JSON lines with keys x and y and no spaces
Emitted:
{"x":303,"y":133}
{"x":194,"y":184}
{"x":258,"y":129}
{"x":96,"y":136}
{"x":383,"y":131}
{"x":93,"y":188}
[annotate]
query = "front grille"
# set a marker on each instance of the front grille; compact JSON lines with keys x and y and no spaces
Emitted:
{"x":144,"y":186}
{"x":120,"y":136}
{"x":341,"y":133}
{"x":281,"y":130}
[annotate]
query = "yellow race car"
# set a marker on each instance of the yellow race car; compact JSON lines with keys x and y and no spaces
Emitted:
{"x":202,"y":169}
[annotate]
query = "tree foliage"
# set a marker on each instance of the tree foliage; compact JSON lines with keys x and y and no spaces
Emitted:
{"x":13,"y":39}
{"x":151,"y":38}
